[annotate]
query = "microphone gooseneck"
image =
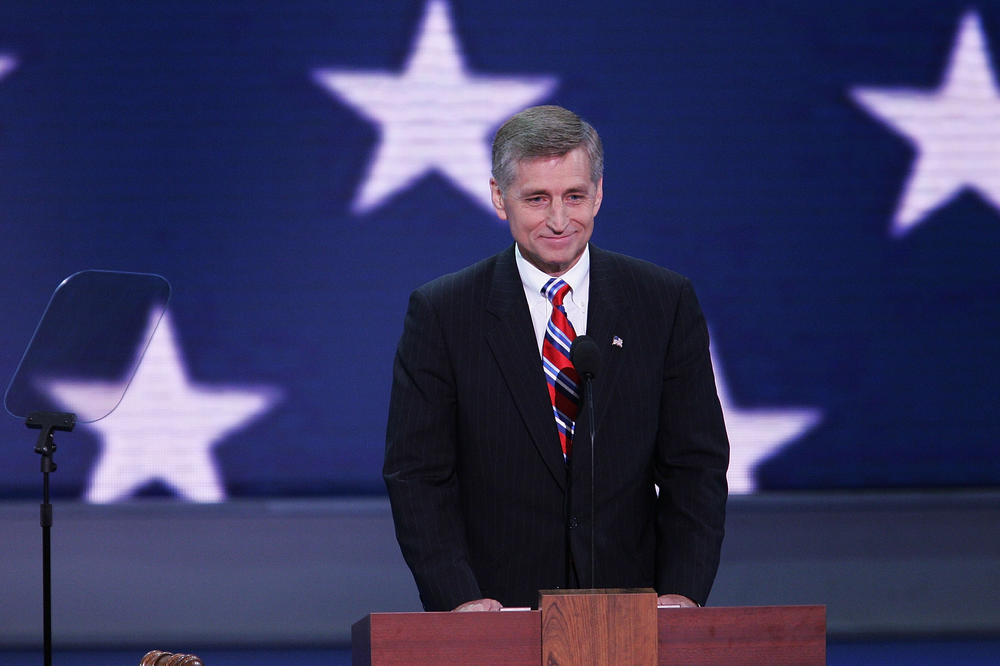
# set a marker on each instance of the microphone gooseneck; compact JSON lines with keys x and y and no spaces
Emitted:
{"x":585,"y":356}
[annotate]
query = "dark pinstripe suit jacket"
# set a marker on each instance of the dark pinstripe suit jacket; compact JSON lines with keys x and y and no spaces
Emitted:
{"x":478,"y":486}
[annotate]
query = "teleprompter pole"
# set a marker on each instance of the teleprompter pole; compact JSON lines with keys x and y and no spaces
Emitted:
{"x":48,"y":423}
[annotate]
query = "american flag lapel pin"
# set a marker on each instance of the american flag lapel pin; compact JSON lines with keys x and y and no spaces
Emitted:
{"x":616,"y":342}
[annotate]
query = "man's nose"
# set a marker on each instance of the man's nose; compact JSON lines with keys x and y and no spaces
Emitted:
{"x":558,"y":217}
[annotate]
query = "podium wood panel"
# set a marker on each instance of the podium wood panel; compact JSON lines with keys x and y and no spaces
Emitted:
{"x":599,"y":627}
{"x":740,"y":635}
{"x":432,"y":639}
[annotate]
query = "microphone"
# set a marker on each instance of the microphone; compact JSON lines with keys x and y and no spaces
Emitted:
{"x":585,"y":356}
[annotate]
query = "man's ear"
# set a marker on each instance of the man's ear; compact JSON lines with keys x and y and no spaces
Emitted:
{"x":497,"y":195}
{"x":599,"y":195}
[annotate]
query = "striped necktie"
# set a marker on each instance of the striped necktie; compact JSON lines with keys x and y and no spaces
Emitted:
{"x":559,"y":372}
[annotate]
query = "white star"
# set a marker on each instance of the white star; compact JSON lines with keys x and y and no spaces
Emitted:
{"x":954,"y":129}
{"x":756,"y":434}
{"x":165,"y":427}
{"x":432,"y":115}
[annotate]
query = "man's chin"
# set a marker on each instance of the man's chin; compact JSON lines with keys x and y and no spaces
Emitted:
{"x":554,"y":263}
{"x":557,"y":265}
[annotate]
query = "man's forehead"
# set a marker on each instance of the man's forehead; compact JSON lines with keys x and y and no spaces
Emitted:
{"x":531,"y":171}
{"x":531,"y":186}
{"x":577,"y":153}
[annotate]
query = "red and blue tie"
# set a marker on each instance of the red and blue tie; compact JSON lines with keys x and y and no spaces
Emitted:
{"x":559,"y":372}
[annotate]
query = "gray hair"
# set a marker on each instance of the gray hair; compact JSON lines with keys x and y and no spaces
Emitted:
{"x":543,"y":131}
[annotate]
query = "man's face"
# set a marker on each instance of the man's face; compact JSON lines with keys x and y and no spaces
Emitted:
{"x":550,"y":206}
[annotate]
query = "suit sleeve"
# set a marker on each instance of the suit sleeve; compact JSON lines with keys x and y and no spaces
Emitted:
{"x":691,"y":460}
{"x":420,"y":463}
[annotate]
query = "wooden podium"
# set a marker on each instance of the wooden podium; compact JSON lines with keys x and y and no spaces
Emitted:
{"x":610,"y":627}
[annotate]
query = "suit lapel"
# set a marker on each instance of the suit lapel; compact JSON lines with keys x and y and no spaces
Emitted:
{"x":604,"y":309}
{"x":510,"y":335}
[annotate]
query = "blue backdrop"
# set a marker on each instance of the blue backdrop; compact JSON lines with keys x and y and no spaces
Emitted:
{"x":828,"y":175}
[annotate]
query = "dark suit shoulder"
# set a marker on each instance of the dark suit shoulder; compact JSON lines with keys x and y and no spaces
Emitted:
{"x":630,"y":280}
{"x":467,"y":282}
{"x":639,"y":268}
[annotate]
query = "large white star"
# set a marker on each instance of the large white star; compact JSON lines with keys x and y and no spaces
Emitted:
{"x":756,"y":434}
{"x":954,"y":129}
{"x":434,"y":115}
{"x":165,"y":427}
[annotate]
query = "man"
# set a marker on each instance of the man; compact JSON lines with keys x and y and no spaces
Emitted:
{"x":487,"y":458}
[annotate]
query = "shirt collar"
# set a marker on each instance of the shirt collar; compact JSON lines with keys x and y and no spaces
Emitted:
{"x":534,"y":279}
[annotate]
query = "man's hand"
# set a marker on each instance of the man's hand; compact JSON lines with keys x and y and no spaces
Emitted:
{"x":675,"y":600}
{"x":478,"y":605}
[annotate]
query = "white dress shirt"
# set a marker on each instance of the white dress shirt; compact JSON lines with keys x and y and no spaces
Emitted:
{"x":576,"y":302}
